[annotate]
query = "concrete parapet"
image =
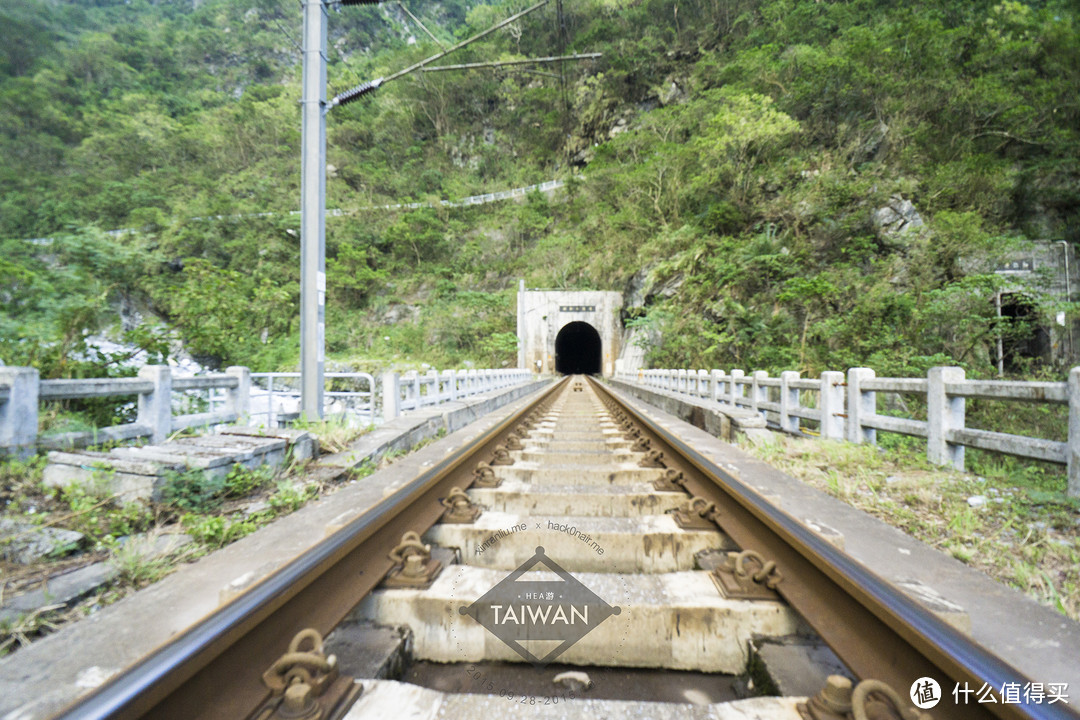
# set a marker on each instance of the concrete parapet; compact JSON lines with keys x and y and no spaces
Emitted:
{"x":944,"y":413}
{"x":19,"y":412}
{"x":861,"y":404}
{"x":720,"y":419}
{"x":238,"y":400}
{"x":831,"y":404}
{"x":155,"y":407}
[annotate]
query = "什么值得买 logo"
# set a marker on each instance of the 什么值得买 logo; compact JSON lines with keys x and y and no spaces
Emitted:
{"x":539,"y":619}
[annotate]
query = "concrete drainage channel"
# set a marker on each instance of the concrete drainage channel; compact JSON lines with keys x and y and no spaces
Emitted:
{"x":568,"y":555}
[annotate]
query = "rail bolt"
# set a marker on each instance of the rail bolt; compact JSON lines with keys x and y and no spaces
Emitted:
{"x":416,"y":568}
{"x":836,"y":695}
{"x":484,"y":476}
{"x":459,"y":508}
{"x":299,"y":703}
{"x":654,"y":459}
{"x":697,"y":513}
{"x":887,"y":704}
{"x":502,"y":456}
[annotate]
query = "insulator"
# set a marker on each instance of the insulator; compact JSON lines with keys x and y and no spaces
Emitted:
{"x":356,"y":93}
{"x":360,"y":2}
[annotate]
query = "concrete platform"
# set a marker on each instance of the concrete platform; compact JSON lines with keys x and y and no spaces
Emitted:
{"x":650,"y":543}
{"x":513,"y":496}
{"x":676,"y":621}
{"x":248,"y":451}
{"x":389,"y":699}
{"x":139,"y":473}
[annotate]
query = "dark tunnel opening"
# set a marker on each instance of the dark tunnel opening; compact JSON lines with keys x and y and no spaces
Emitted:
{"x":577,"y":350}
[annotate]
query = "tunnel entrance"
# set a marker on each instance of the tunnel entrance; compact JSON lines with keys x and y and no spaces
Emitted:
{"x":577,"y":350}
{"x":1024,"y":338}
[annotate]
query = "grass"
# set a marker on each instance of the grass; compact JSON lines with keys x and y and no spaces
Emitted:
{"x":213,"y":512}
{"x":1026,"y":534}
{"x":335,"y":433}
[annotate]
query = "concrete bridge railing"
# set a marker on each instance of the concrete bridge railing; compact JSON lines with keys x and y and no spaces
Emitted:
{"x":845,"y":407}
{"x":371,"y":399}
{"x":415,"y":390}
{"x":21,"y":391}
{"x":231,"y":397}
{"x":276,"y":396}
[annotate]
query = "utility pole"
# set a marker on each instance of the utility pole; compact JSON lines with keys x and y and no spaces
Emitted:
{"x":313,"y":213}
{"x":313,"y":187}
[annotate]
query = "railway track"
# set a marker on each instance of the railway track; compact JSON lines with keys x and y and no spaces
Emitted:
{"x":575,"y":555}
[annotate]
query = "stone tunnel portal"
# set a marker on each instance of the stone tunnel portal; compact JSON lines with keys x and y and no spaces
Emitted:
{"x":578,"y":350}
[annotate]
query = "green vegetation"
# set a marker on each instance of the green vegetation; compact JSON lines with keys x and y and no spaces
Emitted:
{"x":212,"y":511}
{"x":1024,"y":534}
{"x":739,"y":158}
{"x":729,"y":162}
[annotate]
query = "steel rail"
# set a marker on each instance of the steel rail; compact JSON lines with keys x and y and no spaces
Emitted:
{"x":213,"y":670}
{"x":877,"y":630}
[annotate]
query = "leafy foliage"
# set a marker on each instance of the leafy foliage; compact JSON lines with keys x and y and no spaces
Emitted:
{"x":736,"y":151}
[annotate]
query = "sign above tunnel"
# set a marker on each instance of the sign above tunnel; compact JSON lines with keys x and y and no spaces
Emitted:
{"x":577,"y":308}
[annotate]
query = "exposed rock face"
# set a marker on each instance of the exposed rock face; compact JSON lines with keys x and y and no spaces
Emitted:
{"x":400,"y":312}
{"x":642,"y":288}
{"x":635,"y":289}
{"x":897,"y":218}
{"x":672,"y":91}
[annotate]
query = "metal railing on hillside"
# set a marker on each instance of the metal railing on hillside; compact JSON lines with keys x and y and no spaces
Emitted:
{"x":844,"y":406}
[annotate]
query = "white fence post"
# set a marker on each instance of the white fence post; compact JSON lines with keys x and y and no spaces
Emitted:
{"x":717,"y":385}
{"x":789,"y":400}
{"x":155,"y":407}
{"x":391,"y":396}
{"x":19,"y":414}
{"x":434,"y":395}
{"x":943,"y":414}
{"x":416,"y":383}
{"x":270,"y":402}
{"x":831,"y":405}
{"x":735,"y":388}
{"x":238,"y":399}
{"x":759,"y":393}
{"x":861,"y":404}
{"x":451,"y":383}
{"x":1073,"y":452}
